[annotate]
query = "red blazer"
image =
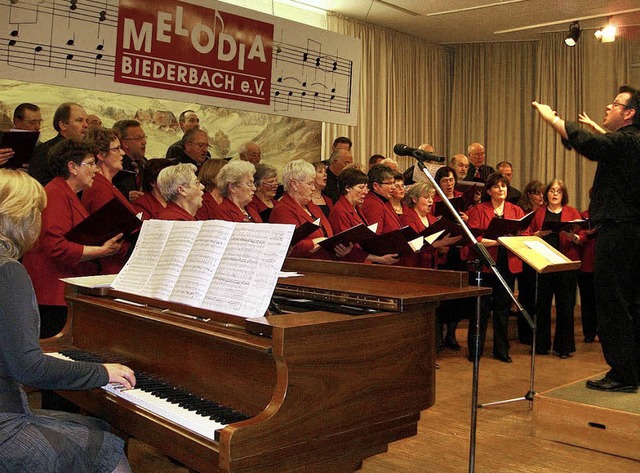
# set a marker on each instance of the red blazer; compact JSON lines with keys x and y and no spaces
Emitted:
{"x":344,"y":216}
{"x":479,"y":217}
{"x":567,"y":247}
{"x":54,"y":256}
{"x":148,"y":205}
{"x":587,"y":249}
{"x":230,"y":212}
{"x":174,"y":212}
{"x":256,"y":206}
{"x":101,"y":192}
{"x":289,"y":211}
{"x":425,"y":258}
{"x":377,"y":210}
{"x":208,"y":209}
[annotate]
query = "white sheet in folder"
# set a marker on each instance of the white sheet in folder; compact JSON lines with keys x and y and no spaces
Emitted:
{"x":545,"y":252}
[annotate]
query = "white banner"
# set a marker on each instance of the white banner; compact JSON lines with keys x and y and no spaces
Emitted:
{"x":204,"y":52}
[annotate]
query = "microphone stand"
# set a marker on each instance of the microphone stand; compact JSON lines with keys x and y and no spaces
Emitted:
{"x":484,"y":259}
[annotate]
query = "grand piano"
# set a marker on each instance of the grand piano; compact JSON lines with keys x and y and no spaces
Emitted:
{"x":318,"y":390}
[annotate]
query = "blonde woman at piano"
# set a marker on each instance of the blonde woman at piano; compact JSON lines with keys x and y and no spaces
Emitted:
{"x":42,"y":440}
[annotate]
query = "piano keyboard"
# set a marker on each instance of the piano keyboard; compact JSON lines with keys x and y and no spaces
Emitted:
{"x":176,"y":405}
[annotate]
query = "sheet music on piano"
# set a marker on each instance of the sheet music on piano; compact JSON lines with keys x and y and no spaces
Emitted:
{"x":223,"y":266}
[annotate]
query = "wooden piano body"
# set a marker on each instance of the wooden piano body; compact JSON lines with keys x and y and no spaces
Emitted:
{"x":325,"y":390}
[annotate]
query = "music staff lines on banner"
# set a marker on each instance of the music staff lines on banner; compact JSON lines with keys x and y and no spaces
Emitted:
{"x":316,"y":80}
{"x":88,"y":11}
{"x":198,"y":50}
{"x":28,"y":56}
{"x":316,"y":60}
{"x":307,"y":98}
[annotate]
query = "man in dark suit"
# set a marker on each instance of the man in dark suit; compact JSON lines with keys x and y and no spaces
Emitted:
{"x":70,"y":121}
{"x":615,"y":210}
{"x":134,"y":144}
{"x":478,"y":170}
{"x":187,"y":120}
{"x":196,"y":146}
{"x":506,"y":169}
{"x":339,"y":159}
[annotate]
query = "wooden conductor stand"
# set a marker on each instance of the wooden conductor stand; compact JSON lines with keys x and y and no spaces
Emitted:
{"x":543,"y":258}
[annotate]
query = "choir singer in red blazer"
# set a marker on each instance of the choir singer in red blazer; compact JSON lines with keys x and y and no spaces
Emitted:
{"x":352,"y":185}
{"x":507,"y":263}
{"x":264,"y":199}
{"x":182,"y":190}
{"x":151,"y":203}
{"x":109,"y":163}
{"x":212,"y":198}
{"x":376,"y":207}
{"x":295,"y":207}
{"x":418,"y":201}
{"x":564,"y":283}
{"x":55,"y":257}
{"x":235,"y":182}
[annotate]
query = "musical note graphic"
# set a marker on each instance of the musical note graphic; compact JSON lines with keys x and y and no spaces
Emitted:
{"x":37,"y":39}
{"x":315,"y":85}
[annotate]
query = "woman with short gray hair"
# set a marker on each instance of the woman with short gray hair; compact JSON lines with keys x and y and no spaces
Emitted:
{"x":182,"y":190}
{"x":235,"y":184}
{"x":296,"y":207}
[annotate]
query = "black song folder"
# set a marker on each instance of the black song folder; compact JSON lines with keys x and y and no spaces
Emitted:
{"x":23,"y":143}
{"x":106,"y":222}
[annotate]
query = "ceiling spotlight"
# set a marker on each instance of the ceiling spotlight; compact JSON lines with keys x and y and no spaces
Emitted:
{"x":606,"y":34}
{"x":574,"y":34}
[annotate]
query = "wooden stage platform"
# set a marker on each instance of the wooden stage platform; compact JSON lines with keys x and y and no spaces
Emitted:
{"x":600,"y":421}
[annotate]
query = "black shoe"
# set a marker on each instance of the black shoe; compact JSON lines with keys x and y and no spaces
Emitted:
{"x":540,"y":352}
{"x":503,"y":358}
{"x":589,"y":339}
{"x":609,"y":385}
{"x":564,"y":356}
{"x":453,"y":344}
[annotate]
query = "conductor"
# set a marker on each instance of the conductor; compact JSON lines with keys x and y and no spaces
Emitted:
{"x":615,"y":210}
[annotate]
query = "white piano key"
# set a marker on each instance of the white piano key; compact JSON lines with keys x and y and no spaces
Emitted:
{"x":172,"y":412}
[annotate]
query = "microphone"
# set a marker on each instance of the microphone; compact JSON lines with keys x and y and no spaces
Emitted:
{"x":420,"y":155}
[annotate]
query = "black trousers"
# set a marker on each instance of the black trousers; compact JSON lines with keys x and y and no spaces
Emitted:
{"x":587,"y":305}
{"x":526,"y":297}
{"x":499,"y":302}
{"x":617,"y":289}
{"x":563,"y":286}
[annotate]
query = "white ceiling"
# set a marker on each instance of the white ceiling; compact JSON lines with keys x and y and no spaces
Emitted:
{"x":481,"y":24}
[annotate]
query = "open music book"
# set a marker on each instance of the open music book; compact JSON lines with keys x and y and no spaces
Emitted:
{"x":503,"y":226}
{"x":354,"y":235}
{"x":106,"y":222}
{"x":572,"y":225}
{"x":304,"y":230}
{"x":404,"y":241}
{"x":223,"y":266}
